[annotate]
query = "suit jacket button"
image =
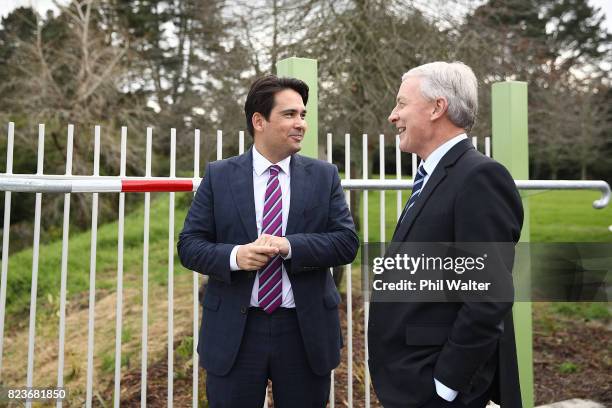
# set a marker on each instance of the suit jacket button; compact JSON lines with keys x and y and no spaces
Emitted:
{"x":243,"y":309}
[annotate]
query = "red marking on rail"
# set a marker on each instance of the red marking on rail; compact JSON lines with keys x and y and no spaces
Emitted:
{"x":153,"y":186}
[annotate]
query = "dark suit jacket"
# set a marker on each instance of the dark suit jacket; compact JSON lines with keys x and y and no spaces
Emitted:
{"x":464,"y":345}
{"x":321,"y":233}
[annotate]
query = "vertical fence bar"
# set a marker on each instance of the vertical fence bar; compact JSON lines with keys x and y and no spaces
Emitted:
{"x":398,"y":175}
{"x":5,"y":237}
{"x":366,"y":303}
{"x":349,"y":284}
{"x":92,"y":273}
{"x":145,"y":276}
{"x":35,"y":252}
{"x":364,"y":161}
{"x":64,"y":267}
{"x":171,"y":272}
{"x":381,"y":170}
{"x":240,"y":142}
{"x":332,"y":397}
{"x":196,"y":278}
{"x":414,"y":165}
{"x":119,"y":316}
{"x":475,"y":142}
{"x":488,"y":146}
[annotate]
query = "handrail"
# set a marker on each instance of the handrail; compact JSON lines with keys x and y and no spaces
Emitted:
{"x":598,"y":185}
{"x":32,"y":183}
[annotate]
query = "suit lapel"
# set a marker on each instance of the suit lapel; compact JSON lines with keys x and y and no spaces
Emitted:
{"x":402,"y":229}
{"x":242,"y":191}
{"x":300,"y":192}
{"x":448,"y":160}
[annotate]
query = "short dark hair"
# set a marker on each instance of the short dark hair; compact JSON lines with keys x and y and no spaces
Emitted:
{"x":261,"y":96}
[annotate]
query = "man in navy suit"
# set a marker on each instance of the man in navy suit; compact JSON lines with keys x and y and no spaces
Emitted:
{"x":454,"y":354}
{"x":266,"y":226}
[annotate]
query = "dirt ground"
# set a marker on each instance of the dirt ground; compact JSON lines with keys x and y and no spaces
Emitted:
{"x":572,"y":354}
{"x":572,"y":359}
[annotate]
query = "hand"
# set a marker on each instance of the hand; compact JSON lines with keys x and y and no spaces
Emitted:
{"x":254,"y":256}
{"x":281,"y":243}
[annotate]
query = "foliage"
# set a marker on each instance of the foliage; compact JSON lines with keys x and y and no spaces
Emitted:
{"x":187,"y":64}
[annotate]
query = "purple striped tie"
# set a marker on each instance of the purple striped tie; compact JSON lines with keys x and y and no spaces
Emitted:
{"x":270,"y":277}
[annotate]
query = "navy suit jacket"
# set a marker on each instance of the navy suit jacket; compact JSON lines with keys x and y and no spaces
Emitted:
{"x":321,"y":233}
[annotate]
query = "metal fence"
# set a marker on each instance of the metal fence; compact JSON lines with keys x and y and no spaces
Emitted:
{"x":67,"y":184}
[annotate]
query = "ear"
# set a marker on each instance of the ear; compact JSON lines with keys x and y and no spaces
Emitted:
{"x":258,"y":121}
{"x":440,"y":106}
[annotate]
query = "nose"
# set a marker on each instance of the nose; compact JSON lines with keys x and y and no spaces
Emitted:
{"x":300,"y":123}
{"x":393,"y":117}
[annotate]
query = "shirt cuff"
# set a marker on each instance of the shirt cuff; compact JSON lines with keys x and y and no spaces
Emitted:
{"x":288,"y":253}
{"x":233,"y":261}
{"x":444,"y":392}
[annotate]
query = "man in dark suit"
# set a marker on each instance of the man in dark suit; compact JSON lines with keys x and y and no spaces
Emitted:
{"x":266,"y":226}
{"x":453,"y":354}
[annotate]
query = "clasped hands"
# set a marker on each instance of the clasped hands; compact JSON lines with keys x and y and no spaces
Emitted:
{"x":254,"y":256}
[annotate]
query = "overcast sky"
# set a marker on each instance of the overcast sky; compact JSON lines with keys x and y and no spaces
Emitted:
{"x":43,"y":5}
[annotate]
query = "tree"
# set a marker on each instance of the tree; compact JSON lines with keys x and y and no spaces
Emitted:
{"x":558,"y":47}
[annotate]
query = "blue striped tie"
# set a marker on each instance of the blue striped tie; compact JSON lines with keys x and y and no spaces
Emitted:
{"x":417,"y":187}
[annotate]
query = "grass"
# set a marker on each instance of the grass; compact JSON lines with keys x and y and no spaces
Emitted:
{"x":568,"y":216}
{"x":555,"y":216}
{"x":585,"y":311}
{"x":20,"y":264}
{"x":568,"y":367}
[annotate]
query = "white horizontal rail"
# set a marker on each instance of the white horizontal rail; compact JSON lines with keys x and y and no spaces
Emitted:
{"x":114,"y":184}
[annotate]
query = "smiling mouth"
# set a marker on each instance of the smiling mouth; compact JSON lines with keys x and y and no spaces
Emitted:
{"x":401,"y":130}
{"x":297,"y":137}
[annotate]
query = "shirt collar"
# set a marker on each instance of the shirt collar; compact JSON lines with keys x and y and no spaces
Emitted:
{"x":437,"y":155}
{"x":261,"y":164}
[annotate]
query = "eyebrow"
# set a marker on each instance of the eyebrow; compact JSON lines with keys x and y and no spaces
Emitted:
{"x":292,"y":111}
{"x":400,"y":98}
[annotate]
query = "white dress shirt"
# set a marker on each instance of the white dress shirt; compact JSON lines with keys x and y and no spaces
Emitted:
{"x":429,"y":165}
{"x":261,"y":174}
{"x":437,"y":155}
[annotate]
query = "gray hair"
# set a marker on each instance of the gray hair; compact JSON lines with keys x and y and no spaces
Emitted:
{"x":456,"y":83}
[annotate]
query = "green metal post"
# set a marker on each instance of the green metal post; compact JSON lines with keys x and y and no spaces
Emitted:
{"x":306,"y":70}
{"x":510,"y":147}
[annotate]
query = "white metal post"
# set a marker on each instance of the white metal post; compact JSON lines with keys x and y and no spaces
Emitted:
{"x":366,"y":303}
{"x":145,"y":276}
{"x":398,"y":175}
{"x":64,"y":267}
{"x":119,"y":316}
{"x":196,"y":279}
{"x":241,"y":142}
{"x":349,"y":284}
{"x":5,"y":237}
{"x":332,"y":397}
{"x":35,"y":253}
{"x":171,"y":272}
{"x":381,"y":170}
{"x":92,"y":273}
